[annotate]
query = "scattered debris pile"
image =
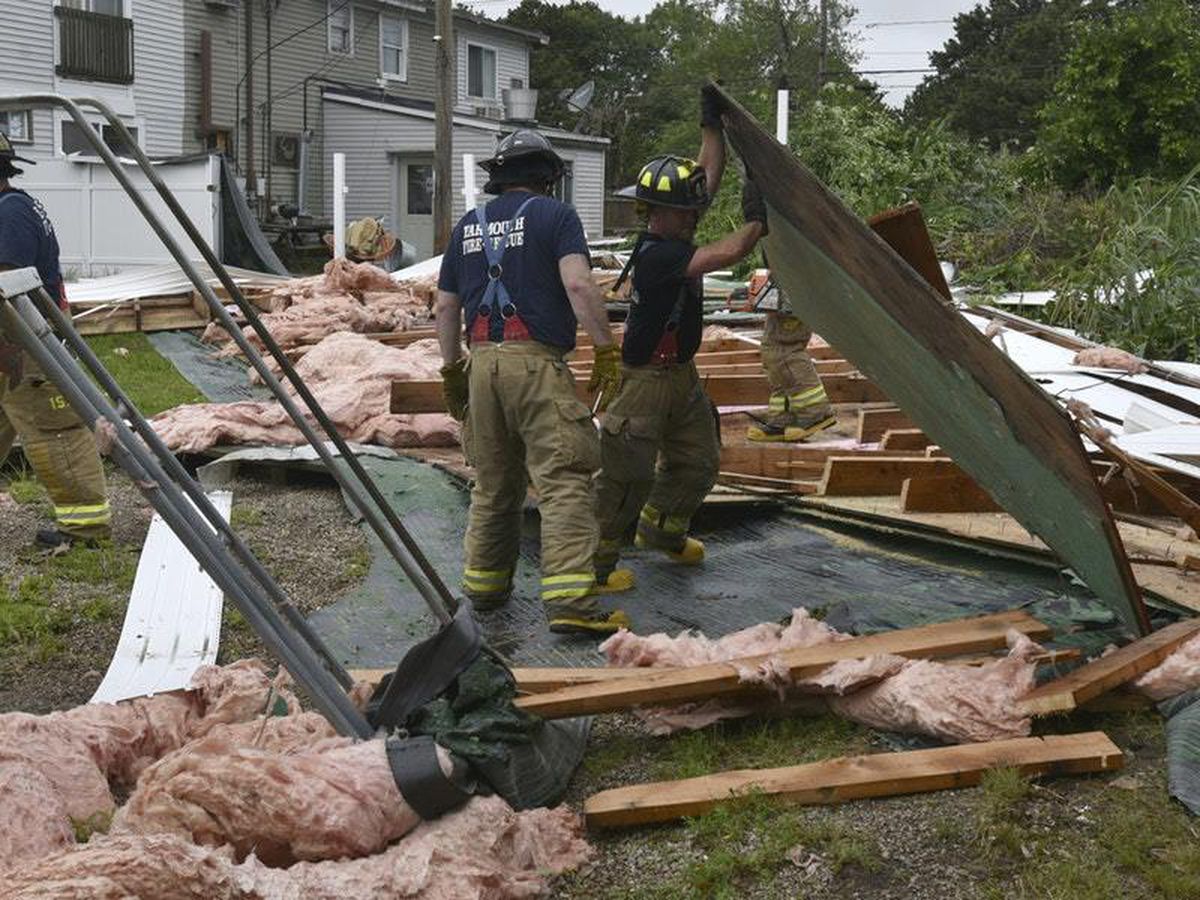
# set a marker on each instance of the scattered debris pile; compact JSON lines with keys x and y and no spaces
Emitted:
{"x":351,"y":377}
{"x":349,"y":296}
{"x":225,"y":802}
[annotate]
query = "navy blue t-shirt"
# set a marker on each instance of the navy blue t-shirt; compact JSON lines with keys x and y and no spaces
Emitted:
{"x":546,"y":231}
{"x":660,"y":284}
{"x":27,"y":239}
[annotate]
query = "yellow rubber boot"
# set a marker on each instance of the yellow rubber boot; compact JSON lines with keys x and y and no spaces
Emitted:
{"x":567,"y":624}
{"x":692,"y":553}
{"x":618,"y":580}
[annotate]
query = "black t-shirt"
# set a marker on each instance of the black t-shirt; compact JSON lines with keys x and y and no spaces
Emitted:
{"x":659,"y":280}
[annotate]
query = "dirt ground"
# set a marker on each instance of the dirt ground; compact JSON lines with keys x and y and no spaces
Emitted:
{"x":1095,"y":837}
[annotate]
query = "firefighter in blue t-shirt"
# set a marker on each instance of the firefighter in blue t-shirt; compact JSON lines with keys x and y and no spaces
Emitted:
{"x":57,"y":444}
{"x":659,"y":439}
{"x":518,"y":270}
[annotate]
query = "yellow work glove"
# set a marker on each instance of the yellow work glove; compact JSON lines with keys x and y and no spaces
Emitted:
{"x":455,"y":390}
{"x":606,"y":374}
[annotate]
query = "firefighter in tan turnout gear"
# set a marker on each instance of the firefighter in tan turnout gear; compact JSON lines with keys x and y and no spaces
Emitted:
{"x":798,"y":406}
{"x":661,"y":449}
{"x":57,"y":444}
{"x":518,"y":269}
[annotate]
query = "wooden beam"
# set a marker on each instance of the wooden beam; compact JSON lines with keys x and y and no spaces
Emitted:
{"x":1043,"y":658}
{"x":1104,"y":674}
{"x":957,"y":493}
{"x":874,"y":423}
{"x":850,"y":476}
{"x":671,"y":686}
{"x":856,"y":777}
{"x":788,"y":485}
{"x":904,"y":439}
{"x":723,"y":390}
{"x":787,"y":460}
{"x":532,"y":679}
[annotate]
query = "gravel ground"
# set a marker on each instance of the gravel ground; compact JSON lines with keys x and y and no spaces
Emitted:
{"x":300,"y":531}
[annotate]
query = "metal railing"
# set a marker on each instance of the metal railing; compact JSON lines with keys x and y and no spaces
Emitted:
{"x":94,"y":46}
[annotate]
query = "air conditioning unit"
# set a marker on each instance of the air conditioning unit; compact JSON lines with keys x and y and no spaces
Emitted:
{"x":285,"y":150}
{"x":487,"y":112}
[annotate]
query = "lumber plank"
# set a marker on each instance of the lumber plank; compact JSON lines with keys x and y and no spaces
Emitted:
{"x":724,"y":390}
{"x":669,"y":686}
{"x":1103,"y":674}
{"x":874,"y":423}
{"x":904,"y":230}
{"x":969,"y":397}
{"x":532,"y":679}
{"x":782,"y":460}
{"x":904,"y":439}
{"x":850,"y":476}
{"x":957,"y":492}
{"x":856,"y":777}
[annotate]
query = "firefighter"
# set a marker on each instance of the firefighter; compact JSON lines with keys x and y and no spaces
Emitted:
{"x":660,"y":441}
{"x":518,"y":269}
{"x":798,"y":406}
{"x":57,"y":444}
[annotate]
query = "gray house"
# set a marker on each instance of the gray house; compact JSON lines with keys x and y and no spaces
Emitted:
{"x":281,"y":85}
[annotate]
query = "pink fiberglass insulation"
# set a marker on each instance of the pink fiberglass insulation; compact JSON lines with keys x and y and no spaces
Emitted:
{"x":959,"y":704}
{"x":351,"y":376}
{"x":82,"y":751}
{"x":334,"y":801}
{"x":1176,"y":674}
{"x":33,"y":815}
{"x":357,"y":297}
{"x":1109,"y":358}
{"x":953,"y":703}
{"x":483,"y":851}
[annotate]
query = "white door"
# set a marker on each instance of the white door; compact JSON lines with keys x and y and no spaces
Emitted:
{"x":414,"y":198}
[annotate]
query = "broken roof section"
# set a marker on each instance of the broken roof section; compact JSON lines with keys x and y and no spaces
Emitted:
{"x":996,"y":422}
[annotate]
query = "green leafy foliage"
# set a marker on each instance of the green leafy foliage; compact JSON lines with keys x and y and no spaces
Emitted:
{"x":1129,"y":97}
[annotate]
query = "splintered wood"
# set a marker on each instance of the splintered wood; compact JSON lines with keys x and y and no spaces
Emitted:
{"x":855,"y":777}
{"x":685,"y":684}
{"x":1107,"y":672}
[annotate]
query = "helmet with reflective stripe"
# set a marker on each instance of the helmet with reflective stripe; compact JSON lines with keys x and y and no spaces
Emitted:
{"x":670,"y":181}
{"x":523,"y":157}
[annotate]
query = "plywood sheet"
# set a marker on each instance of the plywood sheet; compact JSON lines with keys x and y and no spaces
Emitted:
{"x":961,"y":391}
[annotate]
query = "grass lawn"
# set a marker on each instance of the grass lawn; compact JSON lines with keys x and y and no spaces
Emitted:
{"x":150,"y":380}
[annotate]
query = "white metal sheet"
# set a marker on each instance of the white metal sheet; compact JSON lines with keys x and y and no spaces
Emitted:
{"x":173,"y":623}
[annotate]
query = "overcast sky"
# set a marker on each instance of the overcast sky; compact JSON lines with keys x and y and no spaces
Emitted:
{"x":884,"y":44}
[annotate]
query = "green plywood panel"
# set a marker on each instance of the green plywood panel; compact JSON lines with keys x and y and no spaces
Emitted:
{"x":967,"y":396}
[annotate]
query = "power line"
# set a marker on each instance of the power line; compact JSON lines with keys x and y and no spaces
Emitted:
{"x":901,"y":24}
{"x":295,"y":34}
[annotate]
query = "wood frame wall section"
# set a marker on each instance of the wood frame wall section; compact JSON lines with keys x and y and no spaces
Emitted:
{"x":996,"y":422}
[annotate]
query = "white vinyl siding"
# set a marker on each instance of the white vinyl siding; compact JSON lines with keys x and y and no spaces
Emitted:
{"x":393,"y":47}
{"x":158,"y":57}
{"x":482,"y":75}
{"x":341,"y":26}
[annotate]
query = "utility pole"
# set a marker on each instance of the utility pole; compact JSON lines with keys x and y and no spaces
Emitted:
{"x":823,"y":63}
{"x":251,"y":178}
{"x":443,"y":141}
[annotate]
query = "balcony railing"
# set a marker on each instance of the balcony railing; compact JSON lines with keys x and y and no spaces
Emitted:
{"x":94,"y":46}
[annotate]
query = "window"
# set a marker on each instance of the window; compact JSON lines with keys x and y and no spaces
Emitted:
{"x":393,"y":48}
{"x":103,"y":7}
{"x":419,"y":189}
{"x":565,"y":189}
{"x":17,"y":126}
{"x":74,"y":140}
{"x":341,"y":25}
{"x":481,"y":72}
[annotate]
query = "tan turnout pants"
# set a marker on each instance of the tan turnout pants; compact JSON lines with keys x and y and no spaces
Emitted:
{"x":796,"y":389}
{"x":59,"y":447}
{"x":525,"y":423}
{"x":661,"y":453}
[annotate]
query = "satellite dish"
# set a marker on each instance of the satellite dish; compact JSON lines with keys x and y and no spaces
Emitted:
{"x":579,"y":100}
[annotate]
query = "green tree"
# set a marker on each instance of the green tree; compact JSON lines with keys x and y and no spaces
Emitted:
{"x":1128,"y":101}
{"x":998,"y":70}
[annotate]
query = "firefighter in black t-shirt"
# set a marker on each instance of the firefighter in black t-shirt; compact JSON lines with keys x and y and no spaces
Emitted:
{"x":659,"y":442}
